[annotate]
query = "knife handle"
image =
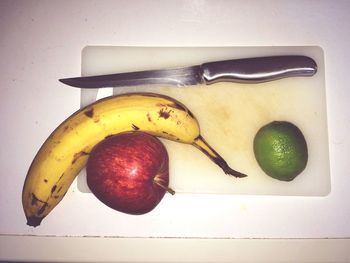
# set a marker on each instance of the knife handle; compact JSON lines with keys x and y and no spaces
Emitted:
{"x":257,"y":70}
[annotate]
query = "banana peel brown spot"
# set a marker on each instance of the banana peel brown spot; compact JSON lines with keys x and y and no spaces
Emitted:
{"x":35,"y":200}
{"x":149,"y":117}
{"x":53,"y":188}
{"x":180,"y":107}
{"x":176,"y":106}
{"x":165,"y":113}
{"x":162,"y":105}
{"x":174,"y":137}
{"x":134,"y":127}
{"x":60,"y":177}
{"x":42,"y":209}
{"x":78,"y":155}
{"x":89,"y":113}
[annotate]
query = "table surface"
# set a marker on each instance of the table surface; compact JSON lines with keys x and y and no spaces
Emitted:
{"x":41,"y":41}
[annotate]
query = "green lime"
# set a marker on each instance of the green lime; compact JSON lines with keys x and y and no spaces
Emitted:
{"x":281,"y":151}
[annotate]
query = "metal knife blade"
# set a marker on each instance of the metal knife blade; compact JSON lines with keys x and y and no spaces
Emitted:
{"x":247,"y":70}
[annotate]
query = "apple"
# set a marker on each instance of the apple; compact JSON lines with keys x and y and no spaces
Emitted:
{"x":129,"y":172}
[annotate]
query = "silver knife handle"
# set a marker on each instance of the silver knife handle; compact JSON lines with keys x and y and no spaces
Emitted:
{"x":257,"y":70}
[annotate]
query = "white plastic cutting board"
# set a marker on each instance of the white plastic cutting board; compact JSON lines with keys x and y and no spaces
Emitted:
{"x":229,"y":114}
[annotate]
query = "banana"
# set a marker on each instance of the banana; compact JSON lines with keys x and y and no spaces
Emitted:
{"x":65,"y":152}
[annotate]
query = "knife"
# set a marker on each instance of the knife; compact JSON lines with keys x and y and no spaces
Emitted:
{"x":246,"y":70}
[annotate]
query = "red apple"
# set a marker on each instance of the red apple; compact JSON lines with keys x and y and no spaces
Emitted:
{"x":129,"y":172}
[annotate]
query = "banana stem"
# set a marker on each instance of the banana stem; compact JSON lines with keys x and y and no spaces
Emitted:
{"x":202,"y":145}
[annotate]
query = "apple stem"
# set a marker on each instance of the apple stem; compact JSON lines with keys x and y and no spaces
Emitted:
{"x":168,"y":189}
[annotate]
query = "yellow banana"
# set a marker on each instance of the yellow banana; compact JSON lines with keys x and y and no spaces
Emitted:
{"x":66,"y":150}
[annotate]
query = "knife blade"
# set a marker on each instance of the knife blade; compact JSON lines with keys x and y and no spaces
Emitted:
{"x":246,"y":70}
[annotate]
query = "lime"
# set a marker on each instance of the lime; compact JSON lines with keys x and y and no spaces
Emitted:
{"x":281,"y":150}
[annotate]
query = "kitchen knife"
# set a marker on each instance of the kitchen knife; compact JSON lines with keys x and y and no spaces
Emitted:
{"x":247,"y":70}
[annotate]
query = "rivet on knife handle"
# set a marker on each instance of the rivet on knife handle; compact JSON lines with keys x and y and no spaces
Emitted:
{"x":259,"y":69}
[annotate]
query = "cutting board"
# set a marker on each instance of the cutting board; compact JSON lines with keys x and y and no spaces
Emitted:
{"x":229,"y":114}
